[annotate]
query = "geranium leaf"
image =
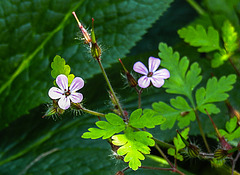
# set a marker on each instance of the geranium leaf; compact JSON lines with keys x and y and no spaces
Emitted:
{"x":180,"y":111}
{"x":215,"y":91}
{"x":106,"y":129}
{"x":59,"y":66}
{"x":133,"y":146}
{"x":179,"y":144}
{"x":233,"y":130}
{"x":207,"y":40}
{"x":230,"y":37}
{"x":149,"y":119}
{"x":181,"y":81}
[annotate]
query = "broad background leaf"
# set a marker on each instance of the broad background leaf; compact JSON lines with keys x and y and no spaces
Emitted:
{"x":35,"y":31}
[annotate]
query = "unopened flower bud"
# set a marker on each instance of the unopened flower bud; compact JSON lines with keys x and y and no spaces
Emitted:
{"x":96,"y":51}
{"x":193,"y":150}
{"x":131,"y":80}
{"x":220,"y":154}
{"x":53,"y":110}
{"x":87,"y":37}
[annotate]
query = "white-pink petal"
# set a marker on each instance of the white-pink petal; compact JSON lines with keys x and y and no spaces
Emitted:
{"x":55,"y":93}
{"x":76,"y":84}
{"x":62,"y":82}
{"x":153,"y":64}
{"x":139,"y":67}
{"x":157,"y":82}
{"x":64,"y":102}
{"x":144,"y":82}
{"x":162,"y":73}
{"x":76,"y":97}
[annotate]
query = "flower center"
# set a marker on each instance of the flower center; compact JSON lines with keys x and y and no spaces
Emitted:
{"x":67,"y":92}
{"x":150,"y":74}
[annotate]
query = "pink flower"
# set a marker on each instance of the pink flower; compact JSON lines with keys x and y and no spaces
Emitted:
{"x":151,"y":76}
{"x":65,"y":94}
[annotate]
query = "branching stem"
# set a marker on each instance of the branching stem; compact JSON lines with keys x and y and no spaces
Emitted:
{"x":111,"y":89}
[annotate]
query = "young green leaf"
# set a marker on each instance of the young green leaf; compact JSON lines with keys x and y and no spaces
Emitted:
{"x":233,"y":130}
{"x":230,"y":37}
{"x":59,"y":66}
{"x":113,"y":125}
{"x":219,"y":58}
{"x":207,"y":40}
{"x":215,"y":91}
{"x":149,"y":119}
{"x":180,"y":111}
{"x":179,"y":144}
{"x":133,"y":146}
{"x":181,"y":81}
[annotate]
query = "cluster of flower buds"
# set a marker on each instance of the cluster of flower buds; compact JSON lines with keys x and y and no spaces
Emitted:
{"x":90,"y":39}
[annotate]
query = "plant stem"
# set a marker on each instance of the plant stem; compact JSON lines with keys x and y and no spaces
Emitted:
{"x":234,"y":162}
{"x":164,"y":156}
{"x":197,"y":7}
{"x":163,"y":144}
{"x":234,"y":67}
{"x":111,"y":89}
{"x":201,"y":131}
{"x":139,"y":97}
{"x":93,"y":112}
{"x":90,"y":111}
{"x":170,"y":163}
{"x":164,"y":169}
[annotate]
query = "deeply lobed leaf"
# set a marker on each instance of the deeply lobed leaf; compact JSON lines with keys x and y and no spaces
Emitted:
{"x":233,"y":130}
{"x":180,"y":111}
{"x":149,"y":119}
{"x":179,"y":144}
{"x":133,"y":146}
{"x":113,"y":125}
{"x":181,"y":81}
{"x":207,"y":40}
{"x":59,"y":66}
{"x":230,"y":37}
{"x":215,"y":91}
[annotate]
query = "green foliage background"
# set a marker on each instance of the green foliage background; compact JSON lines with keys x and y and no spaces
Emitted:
{"x":34,"y":31}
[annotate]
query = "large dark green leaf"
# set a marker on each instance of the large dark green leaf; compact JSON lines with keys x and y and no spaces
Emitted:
{"x":33,"y":32}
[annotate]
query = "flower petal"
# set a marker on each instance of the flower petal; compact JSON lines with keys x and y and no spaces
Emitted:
{"x":76,"y":84}
{"x":144,"y":82}
{"x":157,"y":82}
{"x":76,"y":97}
{"x":55,"y":93}
{"x":62,"y":82}
{"x":64,"y":102}
{"x":162,"y":73}
{"x":153,"y":64}
{"x":139,"y":67}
